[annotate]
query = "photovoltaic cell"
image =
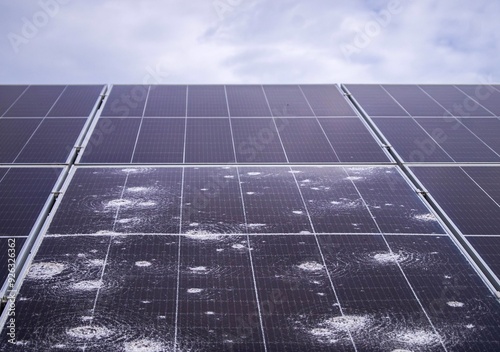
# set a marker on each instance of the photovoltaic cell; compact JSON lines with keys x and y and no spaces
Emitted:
{"x":305,"y":141}
{"x":112,"y":141}
{"x":287,"y":100}
{"x":76,"y":101}
{"x":209,"y":141}
{"x":212,"y":202}
{"x":160,"y":141}
{"x":24,"y":192}
{"x":14,"y":133}
{"x":247,"y":101}
{"x":207,"y":101}
{"x":352,"y":141}
{"x":126,"y":101}
{"x":52,"y":142}
{"x":394,"y":205}
{"x":489,"y":249}
{"x":485,"y":95}
{"x":326,"y":100}
{"x":272,"y":201}
{"x":415,"y":101}
{"x":457,"y":140}
{"x":486,"y":129}
{"x":411,"y":141}
{"x":8,"y":95}
{"x":36,"y":101}
{"x":257,"y":141}
{"x":488,"y":178}
{"x":375,"y":101}
{"x":333,"y":202}
{"x":166,"y":101}
{"x":455,"y":101}
{"x":470,"y":208}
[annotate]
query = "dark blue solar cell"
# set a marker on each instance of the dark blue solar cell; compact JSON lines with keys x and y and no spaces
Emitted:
{"x":76,"y":101}
{"x":53,"y":141}
{"x":36,"y":101}
{"x":23,"y":193}
{"x":485,"y":95}
{"x":209,"y":141}
{"x":14,"y":133}
{"x":305,"y":141}
{"x":415,"y":101}
{"x":166,"y":101}
{"x":257,"y":141}
{"x":375,"y":101}
{"x":287,"y":100}
{"x":8,"y":95}
{"x":327,"y":100}
{"x":470,"y":208}
{"x":394,"y":205}
{"x":351,"y":140}
{"x":487,"y":129}
{"x":333,"y":202}
{"x":489,"y":249}
{"x":207,"y":101}
{"x":160,"y":141}
{"x":411,"y":141}
{"x":247,"y":101}
{"x":112,"y":141}
{"x":454,"y":100}
{"x":126,"y":101}
{"x":272,"y":201}
{"x":457,"y":140}
{"x":152,"y":200}
{"x":488,"y":178}
{"x":212,"y":201}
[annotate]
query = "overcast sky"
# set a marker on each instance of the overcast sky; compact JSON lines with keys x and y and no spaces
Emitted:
{"x":249,"y":41}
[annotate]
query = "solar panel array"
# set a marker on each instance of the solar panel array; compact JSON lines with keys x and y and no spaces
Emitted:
{"x":252,"y":218}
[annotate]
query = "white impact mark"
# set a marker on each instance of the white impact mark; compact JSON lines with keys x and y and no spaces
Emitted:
{"x":194,"y":290}
{"x":328,"y":331}
{"x":87,"y":285}
{"x":253,"y":173}
{"x":45,"y":270}
{"x":229,"y":176}
{"x":298,"y":212}
{"x":146,"y":204}
{"x":89,"y":332}
{"x":199,"y":269}
{"x":354,"y":178}
{"x":143,"y":264}
{"x":96,"y":262}
{"x":118,"y":203}
{"x":202,"y":235}
{"x":238,"y":246}
{"x":385,"y":258}
{"x":138,"y":189}
{"x":418,"y":338}
{"x":144,"y":345}
{"x":311,"y":266}
{"x":425,"y":217}
{"x":250,"y":193}
{"x":455,"y":304}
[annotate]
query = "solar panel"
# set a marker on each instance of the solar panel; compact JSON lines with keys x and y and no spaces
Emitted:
{"x":455,"y":101}
{"x":126,"y":101}
{"x":76,"y":101}
{"x":286,"y":100}
{"x":375,"y":101}
{"x":36,"y":101}
{"x":486,"y":129}
{"x":207,"y":101}
{"x":8,"y":95}
{"x":486,"y":95}
{"x":166,"y":101}
{"x":247,"y":101}
{"x":326,"y":100}
{"x":415,"y":101}
{"x":14,"y":134}
{"x":208,"y":141}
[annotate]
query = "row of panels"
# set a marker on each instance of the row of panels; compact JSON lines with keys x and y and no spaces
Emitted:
{"x":427,"y":100}
{"x":245,"y":140}
{"x":224,"y":101}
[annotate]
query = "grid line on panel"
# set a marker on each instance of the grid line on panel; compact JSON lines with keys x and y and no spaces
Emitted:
{"x":230,"y":126}
{"x":398,"y":264}
{"x":460,"y":122}
{"x":419,"y":125}
{"x":322,"y":256}
{"x":185,"y":126}
{"x":322,"y":129}
{"x":179,"y":242}
{"x":477,"y":184}
{"x":250,"y":256}
{"x":275,"y":125}
{"x":40,"y":124}
{"x":475,"y":100}
{"x":140,"y":126}
{"x":15,"y":101}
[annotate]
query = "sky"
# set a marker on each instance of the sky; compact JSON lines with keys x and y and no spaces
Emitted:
{"x":249,"y":41}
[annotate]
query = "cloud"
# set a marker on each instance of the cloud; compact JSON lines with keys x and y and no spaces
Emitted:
{"x":252,"y":41}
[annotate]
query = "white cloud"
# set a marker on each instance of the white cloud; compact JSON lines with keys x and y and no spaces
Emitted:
{"x":265,"y":41}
